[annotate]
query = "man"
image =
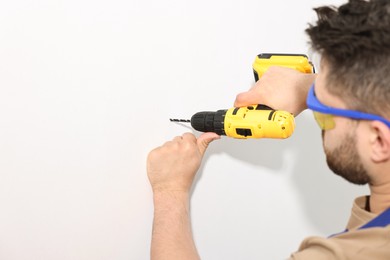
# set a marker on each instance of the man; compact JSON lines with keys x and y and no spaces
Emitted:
{"x":351,"y":103}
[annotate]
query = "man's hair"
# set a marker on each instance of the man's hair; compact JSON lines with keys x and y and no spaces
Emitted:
{"x":354,"y":41}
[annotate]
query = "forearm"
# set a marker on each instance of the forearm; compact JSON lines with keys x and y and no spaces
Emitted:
{"x":304,"y":84}
{"x":172,"y":235}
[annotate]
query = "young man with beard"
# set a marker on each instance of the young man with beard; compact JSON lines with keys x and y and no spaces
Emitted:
{"x":350,"y":100}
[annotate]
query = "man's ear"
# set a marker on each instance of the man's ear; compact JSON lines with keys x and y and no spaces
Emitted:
{"x":379,"y":141}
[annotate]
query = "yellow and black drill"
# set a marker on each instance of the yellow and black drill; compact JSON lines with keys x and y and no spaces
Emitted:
{"x":256,"y":121}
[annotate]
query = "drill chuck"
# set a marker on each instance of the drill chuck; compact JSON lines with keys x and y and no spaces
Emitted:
{"x":209,"y":121}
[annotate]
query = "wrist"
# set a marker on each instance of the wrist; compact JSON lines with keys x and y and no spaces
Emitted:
{"x":305,"y":85}
{"x":170,"y":199}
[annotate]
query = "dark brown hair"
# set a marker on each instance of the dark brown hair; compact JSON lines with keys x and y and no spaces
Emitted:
{"x":354,"y":41}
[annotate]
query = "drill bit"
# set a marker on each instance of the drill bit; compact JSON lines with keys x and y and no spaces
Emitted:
{"x":180,"y":120}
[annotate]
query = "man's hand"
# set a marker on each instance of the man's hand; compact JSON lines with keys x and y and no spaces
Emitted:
{"x":171,"y":171}
{"x":280,"y":88}
{"x":172,"y":167}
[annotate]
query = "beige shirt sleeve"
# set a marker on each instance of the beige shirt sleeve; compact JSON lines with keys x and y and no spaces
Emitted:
{"x":318,"y":248}
{"x":356,"y":244}
{"x":371,"y":243}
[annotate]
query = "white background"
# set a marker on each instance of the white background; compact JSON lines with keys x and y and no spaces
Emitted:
{"x":86,"y":91}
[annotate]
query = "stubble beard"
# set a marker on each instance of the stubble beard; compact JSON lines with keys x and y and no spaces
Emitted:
{"x":345,"y":162}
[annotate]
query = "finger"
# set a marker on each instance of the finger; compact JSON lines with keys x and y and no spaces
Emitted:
{"x":250,"y":97}
{"x":189,"y":136}
{"x":205,"y":139}
{"x":177,"y":138}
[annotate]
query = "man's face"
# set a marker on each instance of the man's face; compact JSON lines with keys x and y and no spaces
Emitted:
{"x":340,"y":143}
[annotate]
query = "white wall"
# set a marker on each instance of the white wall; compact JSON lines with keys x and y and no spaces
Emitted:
{"x":86,"y":91}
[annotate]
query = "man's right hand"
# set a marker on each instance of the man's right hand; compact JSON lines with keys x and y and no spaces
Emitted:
{"x":280,"y":88}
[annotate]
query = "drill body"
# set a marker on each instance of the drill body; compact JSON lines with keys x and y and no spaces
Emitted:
{"x":246,"y":122}
{"x":256,"y":121}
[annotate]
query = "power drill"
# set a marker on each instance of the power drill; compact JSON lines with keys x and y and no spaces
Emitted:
{"x":256,"y":121}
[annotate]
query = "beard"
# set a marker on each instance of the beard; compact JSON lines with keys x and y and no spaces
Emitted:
{"x":345,"y":162}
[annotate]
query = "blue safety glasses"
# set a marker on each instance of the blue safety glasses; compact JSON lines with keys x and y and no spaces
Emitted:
{"x":324,"y":114}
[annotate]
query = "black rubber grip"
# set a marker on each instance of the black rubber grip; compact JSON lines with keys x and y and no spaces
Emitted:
{"x":209,"y":121}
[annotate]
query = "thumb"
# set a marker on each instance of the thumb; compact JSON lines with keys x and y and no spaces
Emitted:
{"x":250,"y":97}
{"x":205,"y":139}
